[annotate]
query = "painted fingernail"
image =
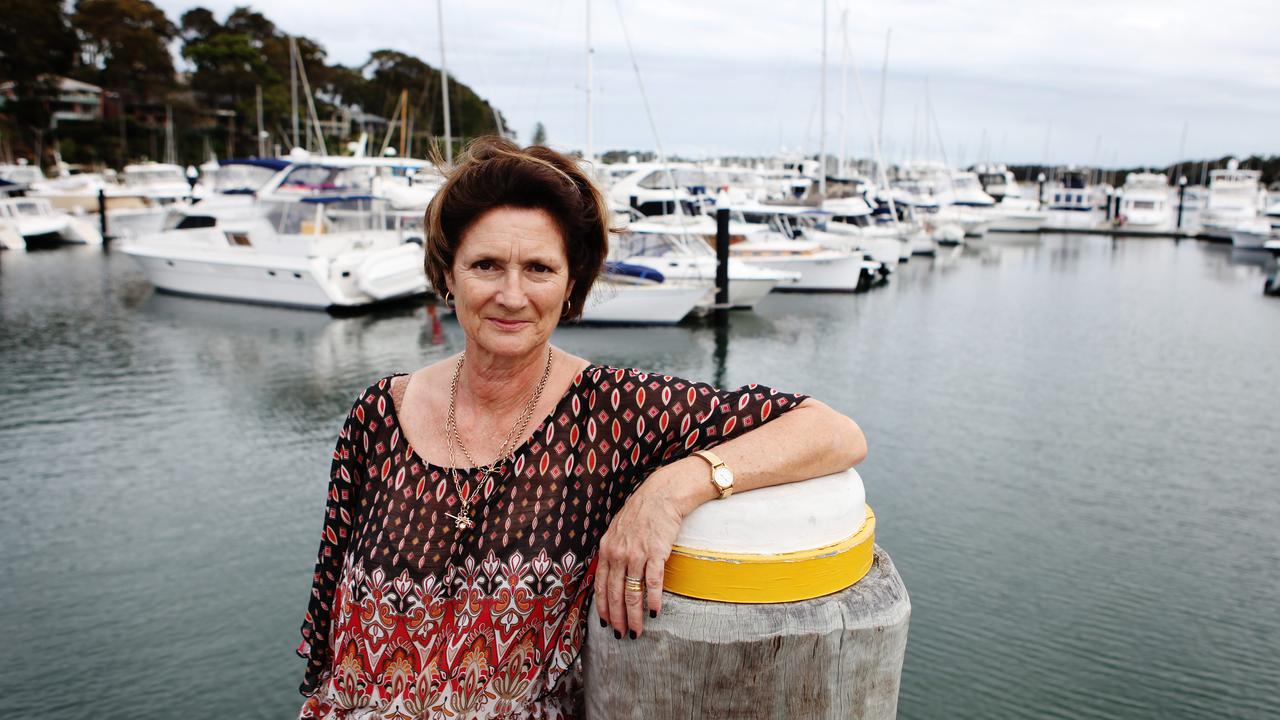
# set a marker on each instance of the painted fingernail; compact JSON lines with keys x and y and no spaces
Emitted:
{"x":617,"y":635}
{"x":631,"y":634}
{"x":603,"y":623}
{"x":653,"y":613}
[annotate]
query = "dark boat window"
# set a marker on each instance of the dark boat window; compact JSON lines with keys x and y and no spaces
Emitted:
{"x":196,"y":221}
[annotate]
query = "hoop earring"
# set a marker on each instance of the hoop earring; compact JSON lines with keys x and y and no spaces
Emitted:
{"x":568,"y":305}
{"x":447,"y":300}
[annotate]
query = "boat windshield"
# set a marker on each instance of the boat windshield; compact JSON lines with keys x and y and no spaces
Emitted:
{"x":241,"y":178}
{"x":649,"y":244}
{"x":320,"y":216}
{"x":152,"y":177}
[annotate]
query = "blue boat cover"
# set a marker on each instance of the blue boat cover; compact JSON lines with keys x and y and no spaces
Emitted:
{"x":642,"y":272}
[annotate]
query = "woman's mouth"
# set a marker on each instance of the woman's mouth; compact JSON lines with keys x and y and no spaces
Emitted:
{"x":508,"y":325}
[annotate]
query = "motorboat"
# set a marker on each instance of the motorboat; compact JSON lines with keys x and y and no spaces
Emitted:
{"x":1253,"y":235}
{"x":795,"y":238}
{"x":682,"y":252}
{"x":997,"y":182}
{"x":30,"y":221}
{"x":1071,"y":201}
{"x":318,"y":252}
{"x":1144,"y":201}
{"x":1236,"y":197}
{"x":649,"y":188}
{"x":16,"y":178}
{"x":640,"y":295}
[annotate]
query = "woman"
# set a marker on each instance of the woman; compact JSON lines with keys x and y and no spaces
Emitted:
{"x":477,"y":505}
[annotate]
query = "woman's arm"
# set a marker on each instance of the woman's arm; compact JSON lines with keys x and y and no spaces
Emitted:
{"x":809,"y":441}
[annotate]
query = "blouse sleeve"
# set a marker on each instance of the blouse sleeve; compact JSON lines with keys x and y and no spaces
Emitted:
{"x":340,"y":509}
{"x":672,"y":418}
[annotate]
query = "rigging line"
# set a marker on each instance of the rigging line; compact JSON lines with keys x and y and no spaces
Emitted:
{"x":875,"y":140}
{"x":484,"y":74}
{"x":644,"y":97}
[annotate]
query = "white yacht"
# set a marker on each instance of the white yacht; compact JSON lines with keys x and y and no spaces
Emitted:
{"x":25,"y":221}
{"x":319,"y":252}
{"x":1235,"y":197}
{"x":649,"y":188}
{"x":680,"y":248}
{"x":1071,"y":200}
{"x":638,"y":295}
{"x":997,"y":181}
{"x":1145,"y":202}
{"x":1253,"y":235}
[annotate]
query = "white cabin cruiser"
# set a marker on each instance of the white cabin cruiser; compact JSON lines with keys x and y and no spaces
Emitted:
{"x":649,"y":188}
{"x":321,"y":252}
{"x":638,"y":295}
{"x":1145,"y":200}
{"x":29,"y":221}
{"x":1235,"y":198}
{"x":682,"y":252}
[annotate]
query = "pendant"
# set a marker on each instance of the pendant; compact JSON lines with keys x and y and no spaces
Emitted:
{"x":463,"y":519}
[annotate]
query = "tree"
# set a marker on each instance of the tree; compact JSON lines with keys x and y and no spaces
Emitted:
{"x":126,"y":43}
{"x":539,"y":134}
{"x":36,"y":44}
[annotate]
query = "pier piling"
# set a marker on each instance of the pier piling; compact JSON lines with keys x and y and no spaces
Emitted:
{"x":722,"y":258}
{"x":751,"y":627}
{"x":102,"y":213}
{"x":1182,"y":194}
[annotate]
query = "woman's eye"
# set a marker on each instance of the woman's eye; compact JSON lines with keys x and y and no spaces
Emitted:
{"x":539,"y":268}
{"x":483,"y":265}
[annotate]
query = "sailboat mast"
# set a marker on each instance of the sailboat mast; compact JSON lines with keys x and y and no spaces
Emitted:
{"x":293,"y":86}
{"x":844,"y":87}
{"x":262,"y":136}
{"x":822,"y":114}
{"x":590,"y":154}
{"x":884,"y":77}
{"x":444,"y":85}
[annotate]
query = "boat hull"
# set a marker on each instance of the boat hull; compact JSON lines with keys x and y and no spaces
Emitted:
{"x":618,"y":303}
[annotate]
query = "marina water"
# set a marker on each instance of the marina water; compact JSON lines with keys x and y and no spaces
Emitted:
{"x":1073,"y":462}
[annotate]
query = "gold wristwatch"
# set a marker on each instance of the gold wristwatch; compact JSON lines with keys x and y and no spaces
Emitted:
{"x":721,"y":475}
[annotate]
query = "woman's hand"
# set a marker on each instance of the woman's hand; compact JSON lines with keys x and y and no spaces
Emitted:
{"x":638,"y":543}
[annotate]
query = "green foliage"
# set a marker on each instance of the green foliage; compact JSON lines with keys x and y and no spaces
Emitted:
{"x":124,"y":47}
{"x":124,"y":44}
{"x":36,"y":43}
{"x":539,"y":134}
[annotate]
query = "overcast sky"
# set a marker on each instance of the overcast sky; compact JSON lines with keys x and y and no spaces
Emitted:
{"x":1098,"y":82}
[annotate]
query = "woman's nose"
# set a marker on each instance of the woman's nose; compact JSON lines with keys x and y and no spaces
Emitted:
{"x":512,"y":294}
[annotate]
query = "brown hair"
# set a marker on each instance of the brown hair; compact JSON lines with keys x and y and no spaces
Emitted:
{"x":494,"y":172}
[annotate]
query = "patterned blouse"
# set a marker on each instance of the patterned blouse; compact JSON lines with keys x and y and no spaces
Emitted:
{"x":412,"y":618}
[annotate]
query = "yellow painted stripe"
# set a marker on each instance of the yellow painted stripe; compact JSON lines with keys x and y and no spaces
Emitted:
{"x":784,"y":577}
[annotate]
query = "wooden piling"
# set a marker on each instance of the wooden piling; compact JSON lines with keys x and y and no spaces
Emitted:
{"x":838,"y":656}
{"x":777,"y":604}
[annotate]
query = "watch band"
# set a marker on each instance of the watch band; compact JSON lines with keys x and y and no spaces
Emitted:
{"x":716,"y":463}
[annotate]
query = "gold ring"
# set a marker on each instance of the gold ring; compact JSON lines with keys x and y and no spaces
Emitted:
{"x":633,"y":583}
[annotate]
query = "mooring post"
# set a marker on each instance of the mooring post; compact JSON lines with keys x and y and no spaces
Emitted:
{"x":722,"y":259}
{"x":1182,"y":194}
{"x":776,"y":604}
{"x":102,"y":213}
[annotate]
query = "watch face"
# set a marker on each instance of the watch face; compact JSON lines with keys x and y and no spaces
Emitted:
{"x":723,"y":477}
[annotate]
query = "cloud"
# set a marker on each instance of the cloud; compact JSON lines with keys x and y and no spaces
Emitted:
{"x":742,"y":77}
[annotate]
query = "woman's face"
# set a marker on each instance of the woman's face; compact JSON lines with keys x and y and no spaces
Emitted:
{"x":510,"y":279}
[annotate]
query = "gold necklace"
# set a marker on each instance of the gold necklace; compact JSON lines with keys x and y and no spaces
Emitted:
{"x":462,"y":520}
